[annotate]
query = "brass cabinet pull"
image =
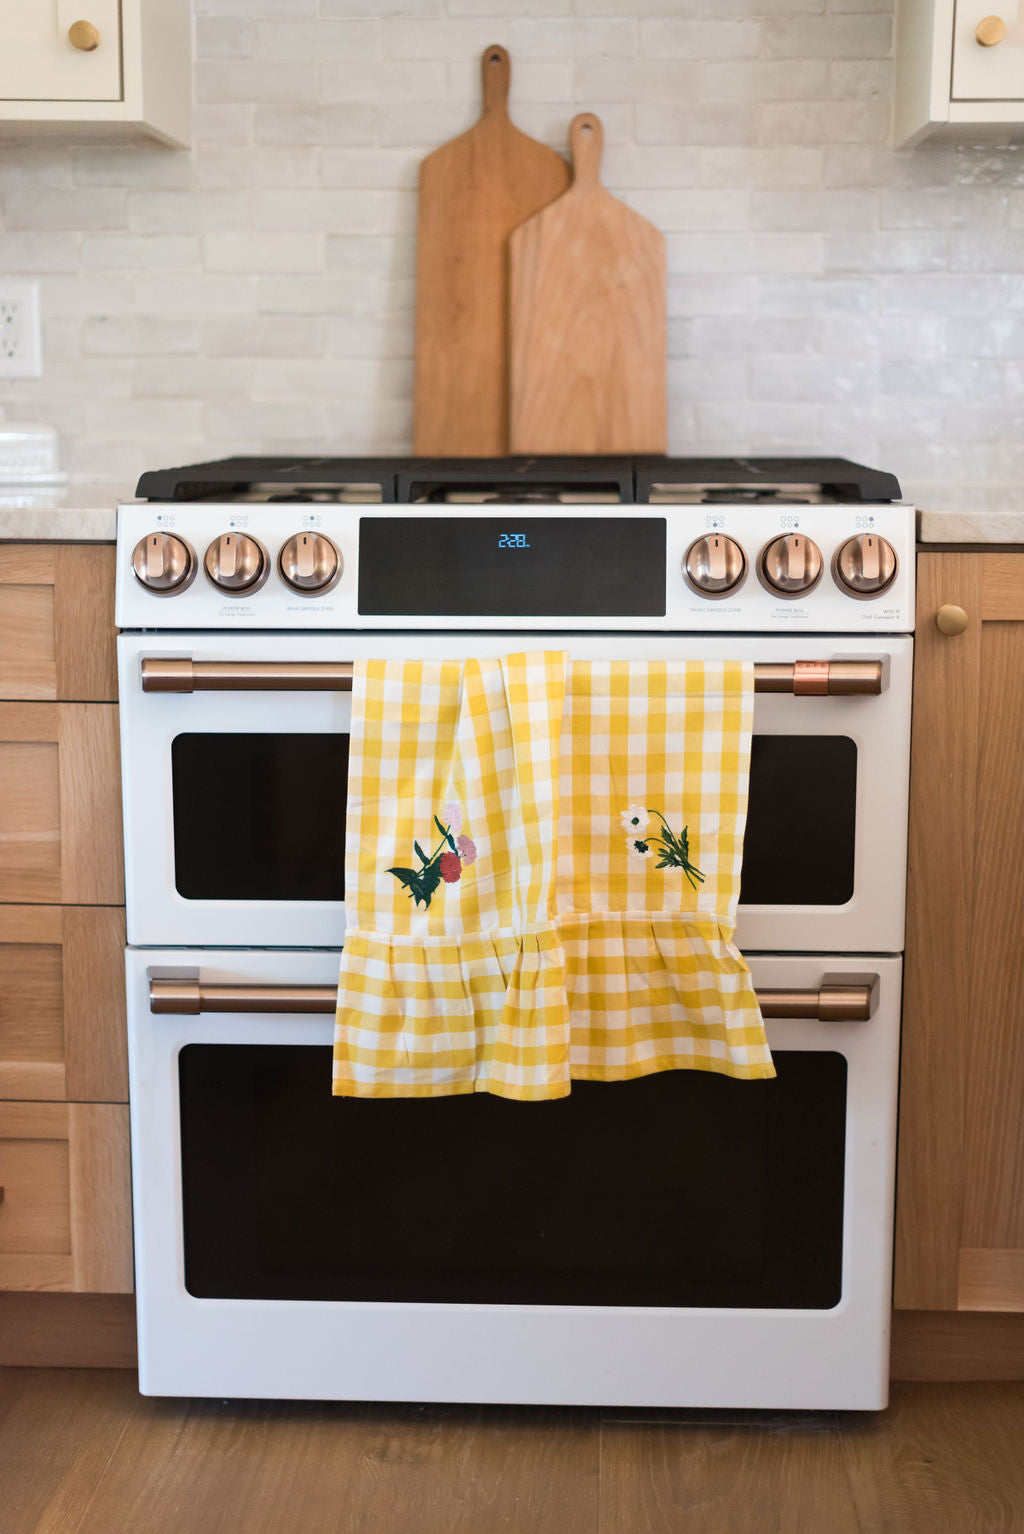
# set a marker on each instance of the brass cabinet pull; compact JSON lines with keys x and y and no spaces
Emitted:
{"x":804,"y":678}
{"x":951,"y":619}
{"x":839,"y":998}
{"x":83,"y":36}
{"x":990,"y":31}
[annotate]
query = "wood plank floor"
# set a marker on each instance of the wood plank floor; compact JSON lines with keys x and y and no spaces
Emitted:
{"x":82,"y":1453}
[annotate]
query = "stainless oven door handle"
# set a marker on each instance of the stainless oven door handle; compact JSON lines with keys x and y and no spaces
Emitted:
{"x":839,"y":998}
{"x":803,"y":678}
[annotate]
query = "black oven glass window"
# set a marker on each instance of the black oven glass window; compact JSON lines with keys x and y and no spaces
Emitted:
{"x":681,"y":1188}
{"x":801,"y":821}
{"x":468,"y":566}
{"x":259,"y":817}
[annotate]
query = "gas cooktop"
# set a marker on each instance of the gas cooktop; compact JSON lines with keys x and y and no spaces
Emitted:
{"x":524,"y":481}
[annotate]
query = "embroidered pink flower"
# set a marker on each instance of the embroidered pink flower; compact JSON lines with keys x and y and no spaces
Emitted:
{"x":451,"y":868}
{"x":467,"y":849}
{"x":452,"y":816}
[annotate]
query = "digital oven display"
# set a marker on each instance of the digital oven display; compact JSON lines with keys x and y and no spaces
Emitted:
{"x":529,"y":567}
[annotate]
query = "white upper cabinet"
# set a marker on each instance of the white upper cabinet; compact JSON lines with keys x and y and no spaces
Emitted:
{"x":959,"y":68}
{"x":988,"y":52}
{"x":75,"y":64}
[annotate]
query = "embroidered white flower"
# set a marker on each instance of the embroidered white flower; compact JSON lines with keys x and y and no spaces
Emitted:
{"x":638,"y":848}
{"x":635,"y":819}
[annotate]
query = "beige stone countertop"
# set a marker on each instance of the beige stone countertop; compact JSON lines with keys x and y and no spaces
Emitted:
{"x":990,"y":513}
{"x":84,"y":512}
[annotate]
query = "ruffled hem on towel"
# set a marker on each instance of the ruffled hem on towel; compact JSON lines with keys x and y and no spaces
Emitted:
{"x":589,"y":997}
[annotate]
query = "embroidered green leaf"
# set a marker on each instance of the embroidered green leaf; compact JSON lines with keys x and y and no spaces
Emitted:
{"x":420,"y":883}
{"x":419,"y":853}
{"x":675,"y":851}
{"x":447,"y":835}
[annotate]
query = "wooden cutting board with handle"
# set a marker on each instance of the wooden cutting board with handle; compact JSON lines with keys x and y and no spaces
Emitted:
{"x":587,"y":325}
{"x":472,"y":194}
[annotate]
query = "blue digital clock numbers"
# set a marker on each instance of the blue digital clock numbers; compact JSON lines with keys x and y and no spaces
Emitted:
{"x":512,"y":541}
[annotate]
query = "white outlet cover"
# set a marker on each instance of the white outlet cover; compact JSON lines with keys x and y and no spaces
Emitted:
{"x":21,"y":352}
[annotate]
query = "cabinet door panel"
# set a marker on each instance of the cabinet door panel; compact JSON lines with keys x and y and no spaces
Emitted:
{"x":62,"y":1023}
{"x":960,"y":1195}
{"x":65,"y":1215}
{"x":57,"y":636}
{"x":60,"y":804}
{"x":994,"y":73}
{"x":38,"y":62}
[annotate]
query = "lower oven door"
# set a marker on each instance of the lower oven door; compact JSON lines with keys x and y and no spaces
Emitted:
{"x":234,"y":800}
{"x":682,"y":1239}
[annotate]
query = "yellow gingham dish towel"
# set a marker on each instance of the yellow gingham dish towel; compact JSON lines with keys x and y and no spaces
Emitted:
{"x":542,"y":868}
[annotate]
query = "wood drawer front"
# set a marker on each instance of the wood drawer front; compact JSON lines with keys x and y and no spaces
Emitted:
{"x":62,"y":1009}
{"x":57,"y":635}
{"x":60,"y":804}
{"x":65,"y":1216}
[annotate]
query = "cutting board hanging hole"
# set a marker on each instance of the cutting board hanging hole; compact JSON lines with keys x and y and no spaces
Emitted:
{"x":586,"y":140}
{"x":496,"y":72}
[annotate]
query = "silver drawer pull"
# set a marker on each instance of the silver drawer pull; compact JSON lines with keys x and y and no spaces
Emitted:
{"x":839,"y":998}
{"x":804,"y":678}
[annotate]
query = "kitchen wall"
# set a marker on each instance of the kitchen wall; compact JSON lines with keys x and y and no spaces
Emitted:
{"x":825,"y":292}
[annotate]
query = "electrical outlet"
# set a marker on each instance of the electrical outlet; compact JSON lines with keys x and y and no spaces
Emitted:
{"x":21,"y":352}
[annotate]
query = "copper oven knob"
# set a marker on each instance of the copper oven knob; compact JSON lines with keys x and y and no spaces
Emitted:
{"x":714,"y":565}
{"x":790,"y":566}
{"x":865,"y":566}
{"x":163,"y":563}
{"x":237,"y":564}
{"x":310,"y":564}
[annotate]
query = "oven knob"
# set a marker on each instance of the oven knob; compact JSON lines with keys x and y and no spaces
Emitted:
{"x":310,"y":564}
{"x":237,"y":563}
{"x":163,"y":563}
{"x":790,"y":566}
{"x":865,"y":566}
{"x":714,"y":565}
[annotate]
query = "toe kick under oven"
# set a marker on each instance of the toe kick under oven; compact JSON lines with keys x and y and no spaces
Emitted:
{"x":681,"y":1239}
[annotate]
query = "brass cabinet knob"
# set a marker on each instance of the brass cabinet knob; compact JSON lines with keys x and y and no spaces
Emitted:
{"x":790,"y":565}
{"x":990,"y":30}
{"x":714,"y":565}
{"x":310,"y":563}
{"x":236,"y":564}
{"x":951,"y":620}
{"x":163,"y":563}
{"x":86,"y":37}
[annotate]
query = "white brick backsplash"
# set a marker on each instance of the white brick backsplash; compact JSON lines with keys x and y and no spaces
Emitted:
{"x":266,"y":251}
{"x":249,"y":80}
{"x":320,"y":39}
{"x":265,"y":335}
{"x":636,"y":80}
{"x":137,"y":336}
{"x":765,"y":80}
{"x":686,"y":39}
{"x":826,"y":293}
{"x":35,"y":207}
{"x":352,"y":123}
{"x":790,"y":165}
{"x":187,"y":212}
{"x":224,"y":37}
{"x":829,"y":37}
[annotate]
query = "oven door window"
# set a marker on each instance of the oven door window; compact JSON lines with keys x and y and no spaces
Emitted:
{"x":801,"y":821}
{"x":259,"y":817}
{"x":677,"y":1189}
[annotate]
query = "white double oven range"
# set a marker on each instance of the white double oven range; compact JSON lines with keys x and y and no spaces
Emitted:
{"x":682,"y":1239}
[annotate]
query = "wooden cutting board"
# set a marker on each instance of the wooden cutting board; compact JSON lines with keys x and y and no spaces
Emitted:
{"x":587,"y":328}
{"x":472,"y":194}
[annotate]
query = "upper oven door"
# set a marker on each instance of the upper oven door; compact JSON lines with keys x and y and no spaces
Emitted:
{"x":234,"y":800}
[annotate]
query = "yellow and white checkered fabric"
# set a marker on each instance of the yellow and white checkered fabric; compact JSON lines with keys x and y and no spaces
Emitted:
{"x":547,"y":944}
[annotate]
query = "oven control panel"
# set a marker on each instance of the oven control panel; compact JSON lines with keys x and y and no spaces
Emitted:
{"x":836,"y":568}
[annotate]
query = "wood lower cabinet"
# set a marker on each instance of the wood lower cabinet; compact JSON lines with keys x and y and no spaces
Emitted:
{"x":65,"y":1215}
{"x":960,"y":1192}
{"x":65,"y":1204}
